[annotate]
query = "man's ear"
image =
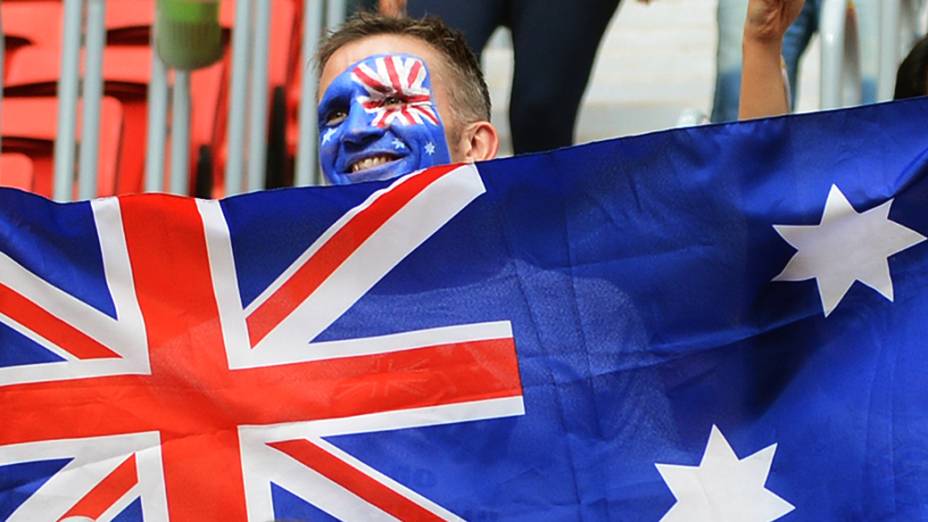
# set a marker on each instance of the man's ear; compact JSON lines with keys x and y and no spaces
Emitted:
{"x":478,"y":141}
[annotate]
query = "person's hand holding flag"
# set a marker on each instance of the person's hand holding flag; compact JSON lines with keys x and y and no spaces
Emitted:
{"x":763,"y":89}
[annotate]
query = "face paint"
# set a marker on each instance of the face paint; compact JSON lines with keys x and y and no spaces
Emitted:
{"x":378,"y":120}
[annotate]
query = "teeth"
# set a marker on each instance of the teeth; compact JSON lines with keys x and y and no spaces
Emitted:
{"x":369,"y":163}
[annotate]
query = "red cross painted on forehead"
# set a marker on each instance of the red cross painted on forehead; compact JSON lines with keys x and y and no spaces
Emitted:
{"x":398,"y":90}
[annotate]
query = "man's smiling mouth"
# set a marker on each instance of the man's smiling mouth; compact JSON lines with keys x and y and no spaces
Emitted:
{"x":369,"y":163}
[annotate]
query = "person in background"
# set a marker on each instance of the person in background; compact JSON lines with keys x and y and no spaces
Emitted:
{"x":764,"y":89}
{"x":912,"y":76}
{"x":730,"y":18}
{"x":555,"y":45}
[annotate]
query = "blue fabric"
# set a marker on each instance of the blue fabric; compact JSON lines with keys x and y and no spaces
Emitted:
{"x":637,"y":277}
{"x":132,"y":513}
{"x":288,"y":506}
{"x":73,"y":262}
{"x":19,"y":481}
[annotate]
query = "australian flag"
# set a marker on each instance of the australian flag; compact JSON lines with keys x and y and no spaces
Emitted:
{"x":721,"y":323}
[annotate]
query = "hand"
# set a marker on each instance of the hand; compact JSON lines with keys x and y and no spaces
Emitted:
{"x":768,"y":20}
{"x":392,"y":7}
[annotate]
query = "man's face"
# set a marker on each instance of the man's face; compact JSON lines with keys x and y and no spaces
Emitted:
{"x":379,"y":114}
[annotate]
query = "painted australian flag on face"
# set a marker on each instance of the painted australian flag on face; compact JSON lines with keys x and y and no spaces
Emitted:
{"x":717,"y":323}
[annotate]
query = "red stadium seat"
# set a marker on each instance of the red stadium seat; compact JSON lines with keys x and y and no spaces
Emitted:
{"x":130,"y":22}
{"x":16,"y":171}
{"x":34,"y":22}
{"x":126,"y":72}
{"x":33,"y":30}
{"x":29,"y":127}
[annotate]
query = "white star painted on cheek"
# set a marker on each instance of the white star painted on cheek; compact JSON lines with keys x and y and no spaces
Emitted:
{"x":723,"y":487}
{"x":846,"y":246}
{"x":430,"y":148}
{"x":327,"y":135}
{"x":397,"y":144}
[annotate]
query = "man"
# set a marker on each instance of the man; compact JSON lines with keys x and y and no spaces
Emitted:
{"x":398,"y":95}
{"x":402,"y":94}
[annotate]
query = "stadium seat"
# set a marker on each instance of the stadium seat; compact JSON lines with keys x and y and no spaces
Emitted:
{"x":32,"y":69}
{"x":33,"y":22}
{"x":131,"y":22}
{"x":16,"y":171}
{"x":126,"y":72}
{"x":29,"y":126}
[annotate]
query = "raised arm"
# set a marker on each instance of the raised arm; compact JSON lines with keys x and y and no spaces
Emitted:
{"x":763,"y":87}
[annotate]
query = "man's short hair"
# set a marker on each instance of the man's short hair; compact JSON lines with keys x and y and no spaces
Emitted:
{"x":470,"y":98}
{"x":912,"y":77}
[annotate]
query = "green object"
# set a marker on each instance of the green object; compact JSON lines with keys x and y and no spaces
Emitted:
{"x":187,"y":33}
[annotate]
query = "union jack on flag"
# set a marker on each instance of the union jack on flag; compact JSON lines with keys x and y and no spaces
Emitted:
{"x":402,"y":78}
{"x":181,"y":403}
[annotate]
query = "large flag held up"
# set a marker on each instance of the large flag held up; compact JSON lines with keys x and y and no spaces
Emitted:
{"x":717,"y":323}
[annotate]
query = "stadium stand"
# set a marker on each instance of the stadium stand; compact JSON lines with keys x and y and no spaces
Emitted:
{"x":33,"y":31}
{"x":29,"y":125}
{"x":32,"y":37}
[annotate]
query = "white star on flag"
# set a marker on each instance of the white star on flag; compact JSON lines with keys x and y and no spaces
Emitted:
{"x":430,"y":148}
{"x":846,"y":246}
{"x":327,"y":136}
{"x":397,"y":144}
{"x":723,"y":488}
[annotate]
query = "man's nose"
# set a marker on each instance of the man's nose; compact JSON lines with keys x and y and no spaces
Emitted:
{"x":358,"y":128}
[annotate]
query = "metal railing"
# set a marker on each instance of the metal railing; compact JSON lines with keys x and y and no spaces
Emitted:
{"x":899,"y":28}
{"x":841,"y":80}
{"x":249,"y":100}
{"x":84,"y":21}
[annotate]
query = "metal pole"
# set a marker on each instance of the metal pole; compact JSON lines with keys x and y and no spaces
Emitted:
{"x":237,"y":96}
{"x":841,"y":78}
{"x":67,"y":100}
{"x":180,"y":132}
{"x":92,"y":94}
{"x":889,"y":48}
{"x":306,"y":159}
{"x":157,"y":121}
{"x":909,"y":28}
{"x":335,"y":13}
{"x":257,"y":136}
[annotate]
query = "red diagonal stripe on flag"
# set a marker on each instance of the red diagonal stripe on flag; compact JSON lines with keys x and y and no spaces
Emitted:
{"x":107,"y":492}
{"x":37,"y":319}
{"x":353,"y":480}
{"x":391,"y":72}
{"x":196,"y":403}
{"x":370,"y":82}
{"x":416,"y":66}
{"x":334,"y":252}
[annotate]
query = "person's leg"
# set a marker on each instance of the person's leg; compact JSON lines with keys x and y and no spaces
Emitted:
{"x":477,"y":19}
{"x":730,"y":18}
{"x":555,"y":45}
{"x":795,"y":42}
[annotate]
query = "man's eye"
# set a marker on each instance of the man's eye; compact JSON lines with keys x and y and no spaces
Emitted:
{"x":336,"y":117}
{"x":393,"y":100}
